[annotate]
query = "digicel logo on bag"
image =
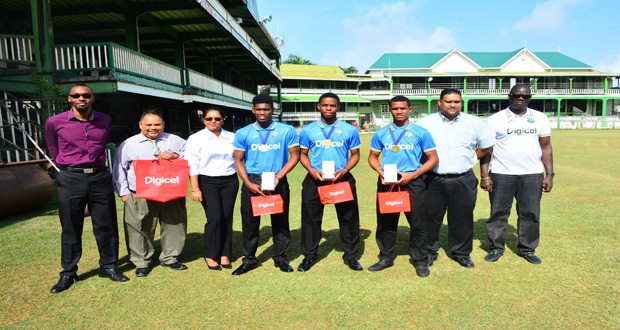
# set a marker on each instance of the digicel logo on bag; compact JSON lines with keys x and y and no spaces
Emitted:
{"x":336,"y":193}
{"x":392,"y":203}
{"x":266,"y":204}
{"x":158,"y":181}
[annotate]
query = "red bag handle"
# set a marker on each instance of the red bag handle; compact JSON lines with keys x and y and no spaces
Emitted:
{"x":392,"y":187}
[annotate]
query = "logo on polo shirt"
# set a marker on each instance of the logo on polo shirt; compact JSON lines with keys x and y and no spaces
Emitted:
{"x":274,"y":135}
{"x":158,"y":181}
{"x":338,"y":132}
{"x":275,"y":146}
{"x":519,"y":131}
{"x":388,"y":146}
{"x":409,"y":135}
{"x":530,"y":120}
{"x":319,"y":143}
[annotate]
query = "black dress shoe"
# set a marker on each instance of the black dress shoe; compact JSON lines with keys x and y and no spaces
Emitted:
{"x":306,"y":264}
{"x":354,"y":264}
{"x":244,"y":268}
{"x":64,"y":283}
{"x":465,"y":262}
{"x":215,"y":267}
{"x":431,"y":259}
{"x":112,"y":274}
{"x":422,"y":270}
{"x":176,"y":266}
{"x":285,"y":267}
{"x":493,"y":256}
{"x":381,"y":265}
{"x":531,"y":257}
{"x":142,"y":271}
{"x":227,"y":266}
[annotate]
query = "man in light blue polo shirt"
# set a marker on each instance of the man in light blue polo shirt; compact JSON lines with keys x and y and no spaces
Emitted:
{"x":461,"y":140}
{"x":265,"y":146}
{"x":403,"y":143}
{"x":328,"y":139}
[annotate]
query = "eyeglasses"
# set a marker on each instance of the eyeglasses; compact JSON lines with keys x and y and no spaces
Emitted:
{"x":77,"y":96}
{"x":213,"y":118}
{"x":524,"y":96}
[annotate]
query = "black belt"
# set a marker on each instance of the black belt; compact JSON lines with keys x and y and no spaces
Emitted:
{"x":88,"y":170}
{"x":449,"y":176}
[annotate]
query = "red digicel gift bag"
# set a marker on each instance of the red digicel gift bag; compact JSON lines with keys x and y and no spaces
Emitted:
{"x":394,"y":201}
{"x":335,"y":193}
{"x":269,"y":204}
{"x":161,"y":180}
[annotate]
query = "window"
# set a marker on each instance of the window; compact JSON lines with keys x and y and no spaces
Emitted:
{"x":384,"y":107}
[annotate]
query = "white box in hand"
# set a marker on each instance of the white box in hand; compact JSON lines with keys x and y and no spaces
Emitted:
{"x":329,"y":167}
{"x":390,"y":173}
{"x":268,"y":181}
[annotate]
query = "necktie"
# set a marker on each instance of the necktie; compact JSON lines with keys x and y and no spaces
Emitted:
{"x":156,"y":150}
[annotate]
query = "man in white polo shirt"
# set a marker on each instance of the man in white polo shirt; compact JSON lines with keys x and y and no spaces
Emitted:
{"x":521,"y":153}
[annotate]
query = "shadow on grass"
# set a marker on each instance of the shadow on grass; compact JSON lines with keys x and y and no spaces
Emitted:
{"x":332,"y":243}
{"x":49,"y":209}
{"x":480,"y":235}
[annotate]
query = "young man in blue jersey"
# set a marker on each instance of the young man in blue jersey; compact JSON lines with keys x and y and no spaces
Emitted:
{"x":328,"y":139}
{"x":265,"y":146}
{"x":403,"y":143}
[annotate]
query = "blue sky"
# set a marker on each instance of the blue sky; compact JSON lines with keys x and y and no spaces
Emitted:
{"x":356,"y":33}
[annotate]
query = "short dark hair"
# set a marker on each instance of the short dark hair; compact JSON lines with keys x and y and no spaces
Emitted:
{"x":83,"y":85}
{"x":520,"y":86}
{"x":214,"y":108}
{"x":151,"y":112}
{"x":329,"y":95}
{"x":400,"y":98}
{"x":262,"y":98}
{"x":449,"y":91}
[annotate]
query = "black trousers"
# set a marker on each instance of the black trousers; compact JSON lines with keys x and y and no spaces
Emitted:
{"x":218,"y":200}
{"x":456,"y":195}
{"x":387,"y":224}
{"x":251,"y":224}
{"x":75,"y":191}
{"x":312,"y":218}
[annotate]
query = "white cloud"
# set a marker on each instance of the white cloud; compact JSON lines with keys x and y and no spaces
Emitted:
{"x":609,"y":65}
{"x":547,"y":17}
{"x":385,"y":28}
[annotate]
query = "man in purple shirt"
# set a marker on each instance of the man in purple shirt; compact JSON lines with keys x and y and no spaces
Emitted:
{"x":76,"y":140}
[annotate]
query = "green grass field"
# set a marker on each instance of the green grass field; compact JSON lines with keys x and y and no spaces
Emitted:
{"x":577,"y":285}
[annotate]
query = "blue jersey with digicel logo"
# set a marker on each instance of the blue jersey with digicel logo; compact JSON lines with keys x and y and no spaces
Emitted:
{"x":278,"y":137}
{"x":344,"y":137}
{"x":415,"y":141}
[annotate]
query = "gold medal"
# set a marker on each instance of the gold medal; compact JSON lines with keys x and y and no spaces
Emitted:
{"x":395,"y":148}
{"x":263,"y":148}
{"x":327,"y":143}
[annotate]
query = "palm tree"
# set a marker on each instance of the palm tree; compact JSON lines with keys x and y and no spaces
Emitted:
{"x":350,"y":69}
{"x":294,"y":59}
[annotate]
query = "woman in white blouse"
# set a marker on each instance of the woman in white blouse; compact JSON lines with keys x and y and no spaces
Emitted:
{"x":214,"y":183}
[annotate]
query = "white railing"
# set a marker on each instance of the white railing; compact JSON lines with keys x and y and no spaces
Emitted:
{"x":613,"y":91}
{"x":204,"y":82}
{"x":127,"y":60}
{"x":494,"y":91}
{"x":345,"y":91}
{"x":369,"y":93}
{"x":16,"y":48}
{"x":552,"y":91}
{"x":287,"y":90}
{"x":588,"y":91}
{"x":316,"y":115}
{"x":314,"y":90}
{"x":81,"y":57}
{"x":247,"y":96}
{"x":232,"y":91}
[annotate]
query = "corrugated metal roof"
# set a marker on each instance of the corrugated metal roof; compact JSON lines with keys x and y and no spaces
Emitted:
{"x":407,"y":60}
{"x":312,"y":71}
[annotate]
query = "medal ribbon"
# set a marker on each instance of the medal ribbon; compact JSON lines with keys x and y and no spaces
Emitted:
{"x":400,"y":136}
{"x":327,"y":135}
{"x":263,"y":140}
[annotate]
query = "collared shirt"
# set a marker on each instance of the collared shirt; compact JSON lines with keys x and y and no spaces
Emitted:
{"x":78,"y":143}
{"x":415,"y":141}
{"x":278,"y":137}
{"x":457,"y":141}
{"x":211,"y":155}
{"x":344,"y":137}
{"x":140,"y":147}
{"x":517,"y":150}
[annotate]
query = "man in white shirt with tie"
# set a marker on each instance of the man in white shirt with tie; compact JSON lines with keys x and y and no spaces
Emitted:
{"x":141,"y":215}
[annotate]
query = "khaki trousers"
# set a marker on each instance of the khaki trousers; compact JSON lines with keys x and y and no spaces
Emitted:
{"x":141,"y":218}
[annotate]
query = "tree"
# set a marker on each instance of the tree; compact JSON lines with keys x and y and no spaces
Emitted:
{"x":350,"y":69}
{"x":294,"y":59}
